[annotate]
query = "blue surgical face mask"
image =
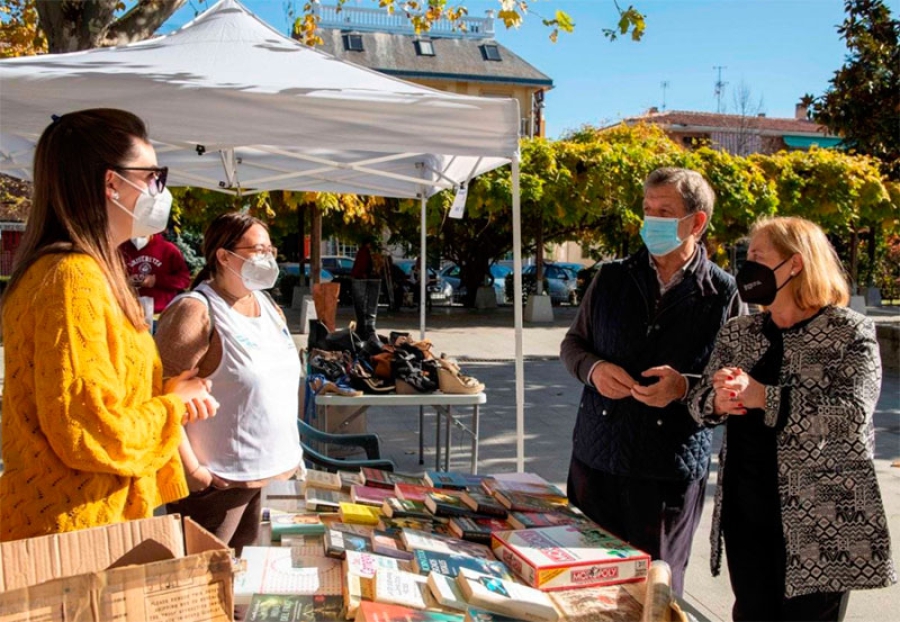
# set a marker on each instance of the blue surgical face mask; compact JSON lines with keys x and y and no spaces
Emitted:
{"x":660,"y":235}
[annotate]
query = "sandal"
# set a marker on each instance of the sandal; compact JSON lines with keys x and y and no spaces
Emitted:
{"x":452,"y":381}
{"x":322,"y":386}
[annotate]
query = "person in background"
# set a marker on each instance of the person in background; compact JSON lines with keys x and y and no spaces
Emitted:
{"x":90,"y":427}
{"x":797,"y":503}
{"x":156,"y":267}
{"x":365,"y":287}
{"x":236,"y":335}
{"x":647,"y":324}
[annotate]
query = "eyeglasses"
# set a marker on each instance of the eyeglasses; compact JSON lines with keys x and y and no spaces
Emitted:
{"x":259,"y":249}
{"x":160,"y":173}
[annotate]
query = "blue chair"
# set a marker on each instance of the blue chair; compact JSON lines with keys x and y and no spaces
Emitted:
{"x":368,"y":442}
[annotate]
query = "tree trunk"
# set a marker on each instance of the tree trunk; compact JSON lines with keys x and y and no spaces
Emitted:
{"x":73,"y":25}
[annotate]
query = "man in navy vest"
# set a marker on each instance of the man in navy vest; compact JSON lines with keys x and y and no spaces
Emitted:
{"x":645,"y":330}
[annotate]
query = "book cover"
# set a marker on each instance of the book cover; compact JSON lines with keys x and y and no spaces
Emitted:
{"x":395,"y":526}
{"x":613,"y":603}
{"x":359,"y":572}
{"x":358,"y":514}
{"x":475,"y":614}
{"x":524,"y":502}
{"x":443,"y":504}
{"x":531,"y":520}
{"x":294,"y":608}
{"x":450,"y":564}
{"x":491,"y":485}
{"x":282,"y":570}
{"x":446,"y":591}
{"x":567,"y":556}
{"x":400,"y":508}
{"x":350,"y":478}
{"x":340,"y":540}
{"x":284,"y":489}
{"x":381,"y":612}
{"x":506,"y":597}
{"x":482,"y":503}
{"x":397,"y":587}
{"x":413,"y":539}
{"x":477,"y":529}
{"x":295,"y":524}
{"x":370,"y":495}
{"x":412,"y":492}
{"x":311,"y":546}
{"x":453,"y":479}
{"x":321,"y":500}
{"x":386,"y":479}
{"x":283,"y":505}
{"x":322,"y":480}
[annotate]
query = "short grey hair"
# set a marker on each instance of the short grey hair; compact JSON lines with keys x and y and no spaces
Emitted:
{"x":695,"y":191}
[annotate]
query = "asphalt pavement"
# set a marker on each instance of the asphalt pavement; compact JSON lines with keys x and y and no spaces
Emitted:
{"x":483,"y":342}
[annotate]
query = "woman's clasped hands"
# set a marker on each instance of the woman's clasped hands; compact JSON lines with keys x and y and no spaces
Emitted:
{"x":195,"y":391}
{"x":736,"y":391}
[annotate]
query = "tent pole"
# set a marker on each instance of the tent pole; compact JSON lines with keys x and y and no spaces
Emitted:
{"x":517,"y":314}
{"x":423,"y":274}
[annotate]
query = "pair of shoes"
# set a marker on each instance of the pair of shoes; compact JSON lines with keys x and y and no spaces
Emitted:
{"x":452,"y":381}
{"x":322,"y":386}
{"x":361,"y":378}
{"x":408,"y":371}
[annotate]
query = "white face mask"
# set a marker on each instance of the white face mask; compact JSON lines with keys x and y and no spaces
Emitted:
{"x":258,"y":272}
{"x":140,"y":243}
{"x":150,"y":214}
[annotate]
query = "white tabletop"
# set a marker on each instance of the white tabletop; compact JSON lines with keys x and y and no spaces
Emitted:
{"x":393,"y":399}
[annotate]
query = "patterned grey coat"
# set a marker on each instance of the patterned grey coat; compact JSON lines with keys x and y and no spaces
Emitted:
{"x":832,"y":516}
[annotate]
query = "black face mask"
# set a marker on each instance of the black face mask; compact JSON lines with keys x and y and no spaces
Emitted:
{"x":756,"y":282}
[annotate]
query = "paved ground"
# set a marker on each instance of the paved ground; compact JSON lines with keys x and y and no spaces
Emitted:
{"x":483,"y":341}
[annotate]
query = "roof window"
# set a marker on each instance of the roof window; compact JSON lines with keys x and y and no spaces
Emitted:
{"x":424,"y":47}
{"x":490,"y":51}
{"x":353,"y":43}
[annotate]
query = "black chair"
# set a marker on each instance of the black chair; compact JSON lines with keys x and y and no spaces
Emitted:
{"x":368,"y":442}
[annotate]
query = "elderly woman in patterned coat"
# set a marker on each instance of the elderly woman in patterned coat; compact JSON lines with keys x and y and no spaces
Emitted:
{"x":797,"y":502}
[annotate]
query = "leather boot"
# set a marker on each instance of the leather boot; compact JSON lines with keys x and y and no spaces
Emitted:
{"x":358,"y":292}
{"x":318,"y":333}
{"x":373,"y":291}
{"x":325,"y":297}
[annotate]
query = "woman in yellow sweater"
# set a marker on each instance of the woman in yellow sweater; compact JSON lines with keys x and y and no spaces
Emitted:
{"x":90,"y":429}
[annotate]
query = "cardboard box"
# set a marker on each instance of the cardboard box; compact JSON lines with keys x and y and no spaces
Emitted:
{"x":569,"y":556}
{"x":157,"y":569}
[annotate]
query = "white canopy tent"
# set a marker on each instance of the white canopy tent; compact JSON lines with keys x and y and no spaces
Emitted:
{"x":232,"y":105}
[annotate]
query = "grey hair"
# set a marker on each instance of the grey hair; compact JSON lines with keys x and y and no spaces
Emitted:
{"x":695,"y":191}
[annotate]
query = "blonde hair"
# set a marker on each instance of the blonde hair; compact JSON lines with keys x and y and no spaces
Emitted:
{"x":822,"y":281}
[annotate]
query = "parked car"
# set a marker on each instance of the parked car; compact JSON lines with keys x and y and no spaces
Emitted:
{"x":450,"y":274}
{"x":338,"y":265}
{"x":293,"y":268}
{"x":437,"y":288}
{"x":559,"y":283}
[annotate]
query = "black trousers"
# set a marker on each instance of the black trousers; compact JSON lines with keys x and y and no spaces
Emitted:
{"x":232,"y":514}
{"x":658,"y":517}
{"x":755,"y":552}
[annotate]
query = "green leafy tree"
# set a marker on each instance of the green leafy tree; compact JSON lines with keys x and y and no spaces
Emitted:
{"x":862,"y":104}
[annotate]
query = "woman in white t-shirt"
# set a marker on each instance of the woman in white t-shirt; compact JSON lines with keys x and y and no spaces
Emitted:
{"x":237,"y":336}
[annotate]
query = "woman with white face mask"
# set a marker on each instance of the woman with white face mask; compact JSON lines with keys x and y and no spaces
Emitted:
{"x":237,"y":336}
{"x":91,"y":429}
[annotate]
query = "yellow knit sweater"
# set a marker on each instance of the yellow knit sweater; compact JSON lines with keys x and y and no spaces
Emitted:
{"x":85,"y":443}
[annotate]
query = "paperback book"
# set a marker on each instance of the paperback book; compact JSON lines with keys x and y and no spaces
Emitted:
{"x":446,"y":591}
{"x":321,"y":500}
{"x":506,"y":597}
{"x":477,"y":529}
{"x":359,"y":573}
{"x":453,"y":479}
{"x":400,"y":508}
{"x":450,"y":564}
{"x":381,"y":612}
{"x":531,"y":520}
{"x":386,"y":479}
{"x":476,"y":614}
{"x":282,"y":570}
{"x":482,"y":503}
{"x":412,"y":492}
{"x":612,"y":603}
{"x":340,"y":540}
{"x":311,"y":546}
{"x":294,"y":608}
{"x":444,"y":504}
{"x":395,"y":526}
{"x":553,"y":558}
{"x":358,"y":514}
{"x":370,"y":495}
{"x":529,"y":487}
{"x":295,"y":524}
{"x":413,"y":539}
{"x":409,"y":589}
{"x":323,"y":480}
{"x":524,"y":502}
{"x":285,"y":489}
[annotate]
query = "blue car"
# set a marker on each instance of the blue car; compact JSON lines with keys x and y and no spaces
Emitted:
{"x":292,"y":267}
{"x":450,"y":275}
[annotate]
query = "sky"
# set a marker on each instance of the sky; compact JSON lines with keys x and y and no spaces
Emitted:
{"x":774,"y":50}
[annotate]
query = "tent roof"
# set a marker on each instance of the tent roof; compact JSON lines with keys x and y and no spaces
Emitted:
{"x":267,"y":111}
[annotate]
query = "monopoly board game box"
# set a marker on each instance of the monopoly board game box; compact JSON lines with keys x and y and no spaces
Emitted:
{"x":567,"y":556}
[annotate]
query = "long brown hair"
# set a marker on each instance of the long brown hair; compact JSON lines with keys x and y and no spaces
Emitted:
{"x":223,"y":232}
{"x":68,"y":210}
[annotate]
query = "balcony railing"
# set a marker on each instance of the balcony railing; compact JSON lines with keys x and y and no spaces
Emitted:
{"x":361,"y":19}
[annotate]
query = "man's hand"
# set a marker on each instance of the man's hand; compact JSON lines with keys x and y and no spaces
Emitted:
{"x":149,"y":281}
{"x":671,"y":386}
{"x":612,"y":381}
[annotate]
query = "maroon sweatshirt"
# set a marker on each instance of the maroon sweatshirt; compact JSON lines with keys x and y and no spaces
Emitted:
{"x":164,"y":261}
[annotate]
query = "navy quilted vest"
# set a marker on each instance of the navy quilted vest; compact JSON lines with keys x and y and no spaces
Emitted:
{"x":636,"y":331}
